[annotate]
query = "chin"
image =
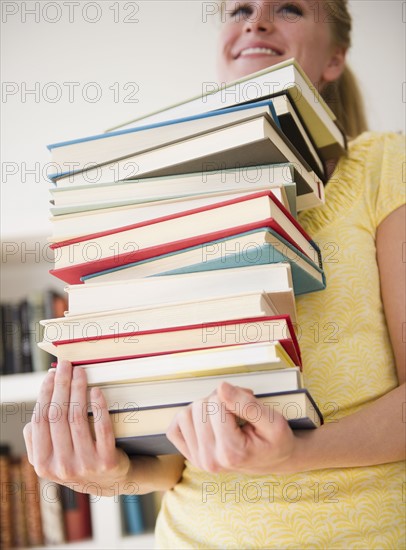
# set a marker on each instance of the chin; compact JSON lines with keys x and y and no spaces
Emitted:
{"x":248,"y":65}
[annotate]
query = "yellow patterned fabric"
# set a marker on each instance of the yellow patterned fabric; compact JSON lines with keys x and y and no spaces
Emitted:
{"x":348,"y":363}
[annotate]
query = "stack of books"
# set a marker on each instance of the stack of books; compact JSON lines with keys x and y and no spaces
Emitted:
{"x":178,"y":237}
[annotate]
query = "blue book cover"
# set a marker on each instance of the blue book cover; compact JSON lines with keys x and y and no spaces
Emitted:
{"x":132,"y":514}
{"x":303,"y":281}
{"x":59,"y":174}
{"x":266,"y":103}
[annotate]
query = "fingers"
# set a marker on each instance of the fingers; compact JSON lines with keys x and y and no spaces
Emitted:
{"x":256,"y":414}
{"x":39,"y":433}
{"x":210,"y":434}
{"x":27,"y":433}
{"x":193,"y":434}
{"x":82,"y":440}
{"x":58,"y":413}
{"x":103,"y":429}
{"x":188,"y":435}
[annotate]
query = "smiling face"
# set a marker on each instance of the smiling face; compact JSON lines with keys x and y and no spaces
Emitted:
{"x":256,"y":35}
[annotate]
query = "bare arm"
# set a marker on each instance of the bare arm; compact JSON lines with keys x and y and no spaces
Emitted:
{"x":374,"y":435}
{"x":61,"y":448}
{"x":377,"y":434}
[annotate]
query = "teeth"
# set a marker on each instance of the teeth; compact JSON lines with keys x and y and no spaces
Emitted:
{"x":266,"y":51}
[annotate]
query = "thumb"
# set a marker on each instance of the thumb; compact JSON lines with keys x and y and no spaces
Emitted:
{"x":243,"y":403}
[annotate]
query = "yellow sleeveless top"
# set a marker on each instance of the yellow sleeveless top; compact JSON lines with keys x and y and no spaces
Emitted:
{"x":348,"y":363}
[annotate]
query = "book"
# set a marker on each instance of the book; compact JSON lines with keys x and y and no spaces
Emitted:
{"x":13,"y":361}
{"x":226,"y":360}
{"x":68,"y":200}
{"x":6,"y":514}
{"x":256,"y":247}
{"x":102,"y":148}
{"x":250,"y":143}
{"x":285,"y":77}
{"x":78,"y":154}
{"x":2,"y":342}
{"x":52,"y":514}
{"x":71,"y":226}
{"x":151,"y":504}
{"x":216,"y":309}
{"x":31,"y":498}
{"x":294,"y":129}
{"x":143,"y":431}
{"x":132,"y":514}
{"x":125,"y":396}
{"x":99,"y":251}
{"x":129,"y":343}
{"x":18,"y":521}
{"x":36,"y":311}
{"x":273,"y":279}
{"x":25,"y":343}
{"x":76,"y":513}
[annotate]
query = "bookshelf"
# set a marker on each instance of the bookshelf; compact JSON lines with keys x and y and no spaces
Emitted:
{"x":21,"y":273}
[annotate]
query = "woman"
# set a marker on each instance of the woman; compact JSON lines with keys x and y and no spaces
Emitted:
{"x":263,"y":485}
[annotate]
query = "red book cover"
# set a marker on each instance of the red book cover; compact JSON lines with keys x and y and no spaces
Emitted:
{"x":76,"y":511}
{"x":290,"y":343}
{"x":72,"y":274}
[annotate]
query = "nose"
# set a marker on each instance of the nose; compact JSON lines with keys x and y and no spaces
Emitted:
{"x":259,"y":20}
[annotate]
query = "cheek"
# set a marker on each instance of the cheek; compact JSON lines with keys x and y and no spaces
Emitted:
{"x":225,"y":43}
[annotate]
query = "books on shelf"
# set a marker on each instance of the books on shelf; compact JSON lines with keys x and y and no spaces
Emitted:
{"x":142,"y":430}
{"x":30,"y":492}
{"x":52,"y":514}
{"x":21,"y":331}
{"x":76,"y":514}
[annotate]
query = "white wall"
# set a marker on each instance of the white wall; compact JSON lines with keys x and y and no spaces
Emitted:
{"x":139,"y":56}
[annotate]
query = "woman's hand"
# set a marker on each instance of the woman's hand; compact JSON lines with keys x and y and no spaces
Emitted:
{"x":209,"y":434}
{"x":59,"y":441}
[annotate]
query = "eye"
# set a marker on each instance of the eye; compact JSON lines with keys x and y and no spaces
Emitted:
{"x":241,"y":11}
{"x":290,"y":8}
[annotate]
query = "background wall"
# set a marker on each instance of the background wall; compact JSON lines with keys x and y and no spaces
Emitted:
{"x":74,"y":68}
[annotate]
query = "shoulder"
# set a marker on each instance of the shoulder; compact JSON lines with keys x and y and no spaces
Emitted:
{"x":375,"y":146}
{"x":381,"y":160}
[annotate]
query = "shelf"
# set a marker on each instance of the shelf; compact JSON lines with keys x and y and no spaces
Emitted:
{"x":21,"y":388}
{"x":144,"y":541}
{"x":25,"y":266}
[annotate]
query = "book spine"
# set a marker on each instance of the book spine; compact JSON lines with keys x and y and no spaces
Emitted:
{"x":6,"y":534}
{"x":20,"y":539}
{"x":52,"y":513}
{"x":76,"y":510}
{"x":31,"y":499}
{"x":132,"y":514}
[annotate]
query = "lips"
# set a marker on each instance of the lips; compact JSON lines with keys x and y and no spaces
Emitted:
{"x":258,"y":49}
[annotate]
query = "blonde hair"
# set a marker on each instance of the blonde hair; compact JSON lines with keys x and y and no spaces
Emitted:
{"x":343,"y":96}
